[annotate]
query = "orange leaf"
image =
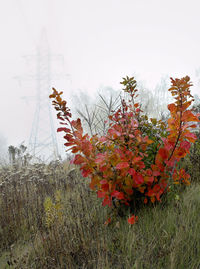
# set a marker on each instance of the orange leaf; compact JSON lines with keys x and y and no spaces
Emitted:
{"x":172,"y":108}
{"x":189,"y":116}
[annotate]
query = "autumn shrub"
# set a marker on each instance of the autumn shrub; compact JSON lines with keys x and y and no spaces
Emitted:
{"x":136,"y":162}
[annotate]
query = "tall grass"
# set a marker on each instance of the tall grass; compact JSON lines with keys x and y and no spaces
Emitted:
{"x":50,"y":219}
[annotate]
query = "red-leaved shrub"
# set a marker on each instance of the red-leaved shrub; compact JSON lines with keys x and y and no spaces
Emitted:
{"x":138,"y":157}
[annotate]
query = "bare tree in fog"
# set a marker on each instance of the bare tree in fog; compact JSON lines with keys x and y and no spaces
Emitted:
{"x":95,"y":111}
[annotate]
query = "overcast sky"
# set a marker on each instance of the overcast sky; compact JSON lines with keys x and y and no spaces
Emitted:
{"x":100,"y":40}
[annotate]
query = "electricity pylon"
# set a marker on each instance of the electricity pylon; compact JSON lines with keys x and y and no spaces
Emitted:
{"x":43,"y":142}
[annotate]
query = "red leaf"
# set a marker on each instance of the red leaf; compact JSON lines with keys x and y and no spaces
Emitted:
{"x":77,"y":124}
{"x":141,"y":165}
{"x":78,"y":159}
{"x":105,"y":185}
{"x":100,"y":157}
{"x":156,"y":173}
{"x":145,"y":200}
{"x":129,"y":191}
{"x":138,"y":178}
{"x":103,"y":168}
{"x":163,"y":153}
{"x":86,"y":172}
{"x":107,"y":221}
{"x":107,"y":201}
{"x":132,"y":172}
{"x":122,"y":165}
{"x":136,"y":105}
{"x":117,"y":194}
{"x":136,"y":159}
{"x":180,"y":152}
{"x":101,"y":194}
{"x":103,"y":181}
{"x":170,"y":163}
{"x":156,"y":188}
{"x":74,"y":149}
{"x":150,"y":179}
{"x":186,"y":145}
{"x":61,"y":129}
{"x":68,"y":137}
{"x":68,"y":144}
{"x":193,"y":126}
{"x":191,"y":137}
{"x":132,"y":219}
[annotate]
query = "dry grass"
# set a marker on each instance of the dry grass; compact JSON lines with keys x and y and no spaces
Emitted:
{"x":50,"y":219}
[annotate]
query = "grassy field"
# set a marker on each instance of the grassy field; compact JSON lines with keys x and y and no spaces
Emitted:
{"x":50,"y":219}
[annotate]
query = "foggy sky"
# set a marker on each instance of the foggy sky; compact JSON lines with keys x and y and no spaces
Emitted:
{"x":101,"y":41}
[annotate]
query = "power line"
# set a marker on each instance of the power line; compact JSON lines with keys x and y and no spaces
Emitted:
{"x":43,"y":140}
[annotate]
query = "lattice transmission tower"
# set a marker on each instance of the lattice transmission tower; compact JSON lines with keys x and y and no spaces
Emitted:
{"x":43,"y":141}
